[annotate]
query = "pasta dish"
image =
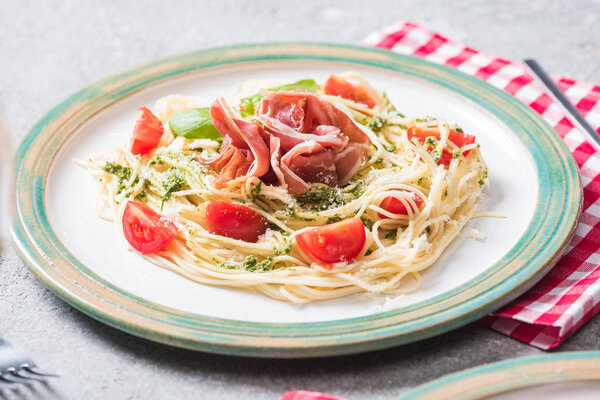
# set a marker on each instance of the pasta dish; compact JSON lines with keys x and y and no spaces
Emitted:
{"x":302,"y":191}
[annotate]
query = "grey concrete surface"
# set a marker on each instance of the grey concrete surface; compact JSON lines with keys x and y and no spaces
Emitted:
{"x":50,"y":49}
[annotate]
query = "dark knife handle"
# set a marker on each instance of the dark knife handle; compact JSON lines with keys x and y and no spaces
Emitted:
{"x":557,"y":95}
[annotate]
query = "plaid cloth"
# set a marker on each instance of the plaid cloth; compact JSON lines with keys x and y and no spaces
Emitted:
{"x":569,"y":295}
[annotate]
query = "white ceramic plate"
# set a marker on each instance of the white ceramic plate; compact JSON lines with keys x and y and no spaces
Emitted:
{"x":518,"y":168}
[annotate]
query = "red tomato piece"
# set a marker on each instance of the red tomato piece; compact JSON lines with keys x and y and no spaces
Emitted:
{"x":146,"y":133}
{"x":146,"y":230}
{"x":459,"y":139}
{"x":422,"y":133}
{"x":304,"y":395}
{"x":235,"y":221}
{"x":333,"y":243}
{"x":341,"y":87}
{"x":446,"y":158}
{"x":395,"y":206}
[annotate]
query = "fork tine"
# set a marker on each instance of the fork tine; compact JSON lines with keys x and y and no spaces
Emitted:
{"x":35,"y":370}
{"x":23,"y":373}
{"x":10,"y":376}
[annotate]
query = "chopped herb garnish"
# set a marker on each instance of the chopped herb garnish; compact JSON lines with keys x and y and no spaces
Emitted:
{"x":175,"y":180}
{"x":324,"y":198}
{"x":391,"y":148}
{"x":255,"y":191}
{"x":285,"y":250}
{"x":291,"y":212}
{"x":335,"y":218}
{"x":251,"y":264}
{"x":431,"y":140}
{"x":358,"y":189}
{"x":425,"y":119}
{"x":157,"y":160}
{"x":376,"y":124}
{"x":437,"y":155}
{"x":118,"y":170}
{"x":121,"y":172}
{"x":457,"y":154}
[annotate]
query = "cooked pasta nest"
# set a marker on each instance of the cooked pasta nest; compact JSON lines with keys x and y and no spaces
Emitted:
{"x":172,"y":181}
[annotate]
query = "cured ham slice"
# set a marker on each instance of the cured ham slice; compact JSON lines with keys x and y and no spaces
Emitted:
{"x":308,"y":162}
{"x":289,"y":137}
{"x":349,"y":161}
{"x":244,"y":152}
{"x":305,"y":140}
{"x":275,"y":148}
{"x":315,"y":111}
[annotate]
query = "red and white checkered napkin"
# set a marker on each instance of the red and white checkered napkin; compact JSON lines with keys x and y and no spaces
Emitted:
{"x":570,"y":294}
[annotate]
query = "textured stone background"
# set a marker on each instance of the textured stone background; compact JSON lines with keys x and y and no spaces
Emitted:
{"x":50,"y":49}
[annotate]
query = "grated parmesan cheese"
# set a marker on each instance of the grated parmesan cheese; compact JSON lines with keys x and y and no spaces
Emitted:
{"x":475,"y":234}
{"x":388,"y":303}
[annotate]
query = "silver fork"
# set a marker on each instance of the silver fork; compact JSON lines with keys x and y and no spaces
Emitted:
{"x":17,"y":368}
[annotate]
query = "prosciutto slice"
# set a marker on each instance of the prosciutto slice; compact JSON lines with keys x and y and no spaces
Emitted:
{"x":305,"y":140}
{"x":308,"y":162}
{"x":290,"y":137}
{"x":244,"y":152}
{"x":349,"y":161}
{"x":275,"y":106}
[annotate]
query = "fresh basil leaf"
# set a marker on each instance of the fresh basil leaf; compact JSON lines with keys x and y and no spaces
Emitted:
{"x":194,"y":124}
{"x":306,"y":84}
{"x":248,"y":104}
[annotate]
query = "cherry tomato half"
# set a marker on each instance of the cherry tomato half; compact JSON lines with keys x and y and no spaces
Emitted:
{"x":332,"y":243}
{"x":146,"y":230}
{"x":395,"y":206}
{"x":341,"y":87}
{"x":235,"y":221}
{"x":146,"y":133}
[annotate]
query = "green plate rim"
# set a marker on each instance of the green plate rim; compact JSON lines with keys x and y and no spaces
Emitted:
{"x":545,"y":239}
{"x":508,"y":375}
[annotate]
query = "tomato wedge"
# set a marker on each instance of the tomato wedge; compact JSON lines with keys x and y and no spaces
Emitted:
{"x":395,"y":206}
{"x":459,"y":139}
{"x":146,"y":133}
{"x":341,"y":87}
{"x":333,"y":243}
{"x":235,"y":221}
{"x":304,"y":395}
{"x":146,"y":230}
